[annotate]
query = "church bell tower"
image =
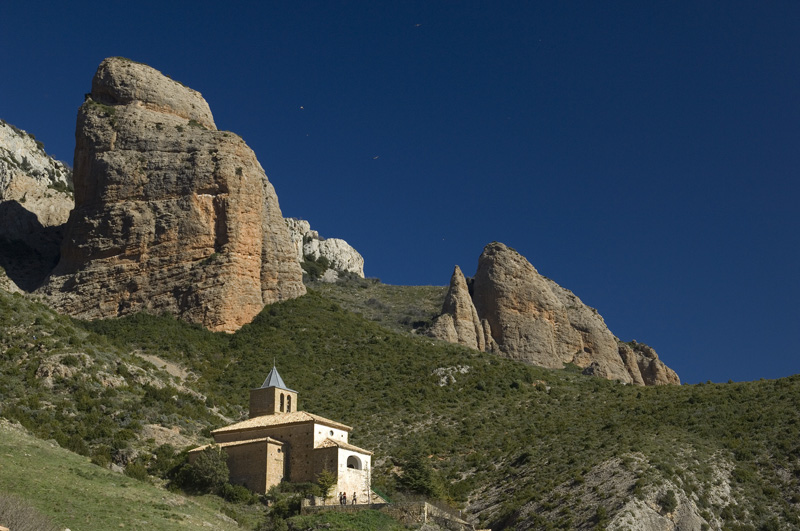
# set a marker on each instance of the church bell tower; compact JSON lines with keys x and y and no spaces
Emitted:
{"x":273,"y":397}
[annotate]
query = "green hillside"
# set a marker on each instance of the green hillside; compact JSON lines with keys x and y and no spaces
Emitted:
{"x":74,"y":493}
{"x":516,"y":446}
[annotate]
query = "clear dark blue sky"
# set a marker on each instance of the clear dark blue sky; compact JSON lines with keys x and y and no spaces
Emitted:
{"x":643,"y":154}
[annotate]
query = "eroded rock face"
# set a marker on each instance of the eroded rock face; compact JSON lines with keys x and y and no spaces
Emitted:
{"x":527,"y":320}
{"x":35,"y":201}
{"x":516,"y":312}
{"x":459,"y":322}
{"x":651,"y":369}
{"x":170,"y":213}
{"x":308,"y":243}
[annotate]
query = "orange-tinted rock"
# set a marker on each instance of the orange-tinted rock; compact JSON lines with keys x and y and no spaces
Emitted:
{"x":528,"y":317}
{"x":459,"y":322}
{"x":170,"y":213}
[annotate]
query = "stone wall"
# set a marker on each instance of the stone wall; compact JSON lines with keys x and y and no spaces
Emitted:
{"x":351,"y":480}
{"x":266,"y":401}
{"x":410,"y":514}
{"x":322,"y":432}
{"x":248,"y":465}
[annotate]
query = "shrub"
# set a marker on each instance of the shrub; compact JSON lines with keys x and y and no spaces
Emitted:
{"x":136,"y":470}
{"x":237,"y":494}
{"x":326,"y":480}
{"x":668,"y":501}
{"x":165,"y":461}
{"x":418,"y":477}
{"x":315,"y":268}
{"x":101,"y":456}
{"x":208,"y":473}
{"x":19,"y":516}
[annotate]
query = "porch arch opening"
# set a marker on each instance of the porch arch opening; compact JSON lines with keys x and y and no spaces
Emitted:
{"x":354,"y":462}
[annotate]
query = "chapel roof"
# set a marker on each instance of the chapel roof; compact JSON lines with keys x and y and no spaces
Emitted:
{"x":274,"y":380}
{"x":279,"y":419}
{"x":269,"y":440}
{"x":329,"y":443}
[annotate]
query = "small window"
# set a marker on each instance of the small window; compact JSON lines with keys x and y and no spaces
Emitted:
{"x":289,"y":403}
{"x":331,"y":432}
{"x":281,"y":402}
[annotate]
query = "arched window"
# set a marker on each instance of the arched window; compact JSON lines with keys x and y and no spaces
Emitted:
{"x":354,"y":462}
{"x":281,"y":402}
{"x":288,"y":403}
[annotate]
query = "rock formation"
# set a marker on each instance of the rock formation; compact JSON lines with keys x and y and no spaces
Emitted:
{"x":514,"y":311}
{"x":35,"y":201}
{"x":459,"y":322}
{"x":309,"y":244}
{"x":170,"y":213}
{"x":651,"y":369}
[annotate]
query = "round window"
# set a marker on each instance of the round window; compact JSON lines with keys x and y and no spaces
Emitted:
{"x":331,"y":432}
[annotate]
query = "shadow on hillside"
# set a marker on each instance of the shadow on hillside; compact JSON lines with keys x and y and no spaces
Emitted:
{"x":28,"y":251}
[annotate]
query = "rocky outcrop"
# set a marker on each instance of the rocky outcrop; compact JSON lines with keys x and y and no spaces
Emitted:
{"x":610,"y":484}
{"x":514,"y":311}
{"x":170,"y":213}
{"x":35,"y":201}
{"x":308,"y":244}
{"x":598,"y":346}
{"x":643,"y":361}
{"x":459,"y":322}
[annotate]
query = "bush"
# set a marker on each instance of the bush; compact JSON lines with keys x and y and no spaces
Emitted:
{"x":101,"y":456}
{"x":326,"y":480}
{"x":136,"y":470}
{"x":207,"y":474}
{"x":237,"y":494}
{"x":19,"y":516}
{"x":315,"y":268}
{"x":668,"y":501}
{"x":419,"y":477}
{"x":165,"y":461}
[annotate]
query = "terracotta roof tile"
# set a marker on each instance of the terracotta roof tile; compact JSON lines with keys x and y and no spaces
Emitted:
{"x":330,"y":443}
{"x":236,"y":443}
{"x":278,"y":419}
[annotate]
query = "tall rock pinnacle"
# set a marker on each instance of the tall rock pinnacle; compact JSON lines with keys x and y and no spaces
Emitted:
{"x":170,"y":213}
{"x":459,"y":322}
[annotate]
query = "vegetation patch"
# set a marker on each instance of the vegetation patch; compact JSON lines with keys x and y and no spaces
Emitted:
{"x":733,"y":449}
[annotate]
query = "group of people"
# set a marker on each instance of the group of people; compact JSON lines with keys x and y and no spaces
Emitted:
{"x":343,"y":498}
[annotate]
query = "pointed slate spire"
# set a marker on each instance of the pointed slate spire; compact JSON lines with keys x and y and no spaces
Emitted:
{"x":274,"y":380}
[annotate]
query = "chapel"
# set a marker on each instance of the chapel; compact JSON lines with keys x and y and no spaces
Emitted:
{"x":279,"y":442}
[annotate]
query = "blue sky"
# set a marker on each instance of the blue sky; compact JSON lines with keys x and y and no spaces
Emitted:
{"x":642,"y":154}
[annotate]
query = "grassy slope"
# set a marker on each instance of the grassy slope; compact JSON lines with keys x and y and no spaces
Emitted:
{"x":503,"y":436}
{"x":77,"y":494}
{"x":400,"y":308}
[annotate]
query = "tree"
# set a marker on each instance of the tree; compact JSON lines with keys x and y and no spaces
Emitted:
{"x":419,"y":476}
{"x":326,"y":480}
{"x":208,"y":473}
{"x":668,"y":501}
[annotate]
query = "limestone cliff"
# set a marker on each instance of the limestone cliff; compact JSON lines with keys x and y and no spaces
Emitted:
{"x":35,"y":201}
{"x":309,"y":244}
{"x":514,"y":311}
{"x":170,"y":213}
